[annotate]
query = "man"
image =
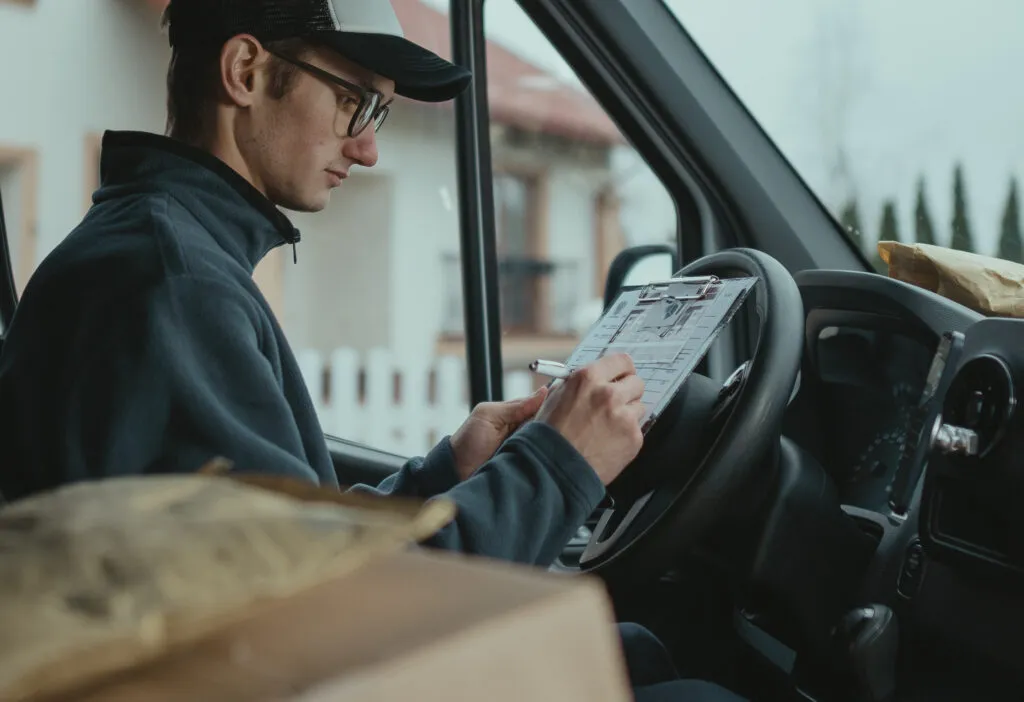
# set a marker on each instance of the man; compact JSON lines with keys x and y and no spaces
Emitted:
{"x":142,"y":344}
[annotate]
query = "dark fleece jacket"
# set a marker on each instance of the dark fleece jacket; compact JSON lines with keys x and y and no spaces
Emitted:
{"x":142,"y":345}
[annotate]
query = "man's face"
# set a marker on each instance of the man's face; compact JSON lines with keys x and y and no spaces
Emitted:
{"x":298,"y":145}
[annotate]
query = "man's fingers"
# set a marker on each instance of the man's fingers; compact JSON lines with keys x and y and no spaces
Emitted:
{"x":630,"y":389}
{"x":639,"y":409}
{"x":613,"y":367}
{"x":528,"y":406}
{"x":516,"y":412}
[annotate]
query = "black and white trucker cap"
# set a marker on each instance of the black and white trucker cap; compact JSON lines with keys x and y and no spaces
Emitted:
{"x":366,"y":32}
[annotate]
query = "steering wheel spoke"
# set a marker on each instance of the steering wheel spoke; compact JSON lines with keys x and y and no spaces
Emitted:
{"x":610,"y":529}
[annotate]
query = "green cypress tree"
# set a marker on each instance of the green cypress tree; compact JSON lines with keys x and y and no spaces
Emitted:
{"x":1011,"y":246}
{"x":849,"y":218}
{"x":924,"y":232}
{"x":889,"y":231}
{"x":961,"y":239}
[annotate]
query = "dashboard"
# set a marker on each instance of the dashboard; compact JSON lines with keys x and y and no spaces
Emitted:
{"x":869,"y":381}
{"x":868,"y":348}
{"x":952,"y":564}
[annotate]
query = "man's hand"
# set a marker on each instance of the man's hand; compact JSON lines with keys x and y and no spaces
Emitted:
{"x":490,"y":423}
{"x":598,"y":410}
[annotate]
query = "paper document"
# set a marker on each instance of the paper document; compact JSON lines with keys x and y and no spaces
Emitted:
{"x":666,"y":328}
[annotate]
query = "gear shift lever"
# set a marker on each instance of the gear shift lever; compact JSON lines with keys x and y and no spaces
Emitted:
{"x":870,"y":639}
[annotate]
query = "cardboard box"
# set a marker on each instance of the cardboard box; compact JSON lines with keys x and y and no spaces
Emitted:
{"x":415,"y":625}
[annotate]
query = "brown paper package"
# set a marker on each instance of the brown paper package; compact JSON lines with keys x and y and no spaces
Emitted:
{"x":102,"y":575}
{"x":991,"y":286}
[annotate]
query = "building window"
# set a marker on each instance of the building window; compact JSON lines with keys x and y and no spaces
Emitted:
{"x":523,"y":270}
{"x":515,"y":214}
{"x":537,"y":294}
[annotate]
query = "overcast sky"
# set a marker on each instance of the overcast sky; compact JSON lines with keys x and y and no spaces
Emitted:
{"x":903,"y":87}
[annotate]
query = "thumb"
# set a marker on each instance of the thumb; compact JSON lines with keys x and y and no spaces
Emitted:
{"x":522,"y":409}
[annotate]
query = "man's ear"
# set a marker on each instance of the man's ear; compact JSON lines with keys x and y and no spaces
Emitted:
{"x":241,"y":69}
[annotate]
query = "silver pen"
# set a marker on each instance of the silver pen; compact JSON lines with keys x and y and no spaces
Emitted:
{"x":552,"y":369}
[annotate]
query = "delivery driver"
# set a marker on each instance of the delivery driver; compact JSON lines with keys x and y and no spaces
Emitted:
{"x":142,"y":344}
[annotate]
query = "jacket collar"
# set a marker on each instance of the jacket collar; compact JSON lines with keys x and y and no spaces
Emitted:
{"x":242,"y":219}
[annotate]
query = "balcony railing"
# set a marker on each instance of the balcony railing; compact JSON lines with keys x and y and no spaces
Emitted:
{"x":538,"y":297}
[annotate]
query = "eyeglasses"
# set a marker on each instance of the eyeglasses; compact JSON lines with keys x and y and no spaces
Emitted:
{"x":369,"y":110}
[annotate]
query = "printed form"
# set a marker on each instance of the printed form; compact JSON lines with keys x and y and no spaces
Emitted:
{"x":666,"y":328}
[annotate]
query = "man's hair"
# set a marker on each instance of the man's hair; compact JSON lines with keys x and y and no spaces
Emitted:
{"x":193,"y":79}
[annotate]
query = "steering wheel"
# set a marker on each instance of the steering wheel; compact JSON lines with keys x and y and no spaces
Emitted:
{"x":703,"y":454}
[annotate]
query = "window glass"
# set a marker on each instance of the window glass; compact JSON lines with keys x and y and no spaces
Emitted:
{"x":570,"y":193}
{"x":901,"y":116}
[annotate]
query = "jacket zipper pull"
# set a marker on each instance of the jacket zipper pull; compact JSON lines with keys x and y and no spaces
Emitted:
{"x":295,"y":253}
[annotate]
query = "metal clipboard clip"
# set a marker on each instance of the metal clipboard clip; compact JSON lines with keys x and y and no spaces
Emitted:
{"x":706,"y":282}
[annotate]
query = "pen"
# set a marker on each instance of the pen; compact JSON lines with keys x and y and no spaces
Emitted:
{"x":552,"y":369}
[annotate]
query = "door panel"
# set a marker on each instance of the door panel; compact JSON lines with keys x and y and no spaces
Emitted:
{"x":357,"y":463}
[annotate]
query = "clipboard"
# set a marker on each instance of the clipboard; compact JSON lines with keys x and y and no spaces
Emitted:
{"x":703,"y":283}
{"x":666,"y":327}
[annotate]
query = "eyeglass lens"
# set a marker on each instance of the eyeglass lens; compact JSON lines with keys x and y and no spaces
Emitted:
{"x":369,"y":112}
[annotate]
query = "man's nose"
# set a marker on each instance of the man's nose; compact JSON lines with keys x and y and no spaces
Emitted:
{"x":363,"y":148}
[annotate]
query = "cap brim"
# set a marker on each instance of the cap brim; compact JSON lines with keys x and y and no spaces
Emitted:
{"x":419,"y":74}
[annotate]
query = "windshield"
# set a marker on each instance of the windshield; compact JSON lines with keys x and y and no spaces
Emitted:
{"x":904,"y":118}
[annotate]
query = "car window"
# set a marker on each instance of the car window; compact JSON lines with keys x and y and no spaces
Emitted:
{"x":570,"y":193}
{"x":902,"y":117}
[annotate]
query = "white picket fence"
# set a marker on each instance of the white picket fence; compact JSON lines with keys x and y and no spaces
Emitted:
{"x":398,"y":404}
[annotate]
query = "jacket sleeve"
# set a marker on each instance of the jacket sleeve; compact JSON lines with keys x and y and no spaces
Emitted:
{"x":525,"y":503}
{"x":423,"y":477}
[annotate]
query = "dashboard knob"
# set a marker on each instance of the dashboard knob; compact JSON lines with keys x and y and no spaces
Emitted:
{"x":951,"y":439}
